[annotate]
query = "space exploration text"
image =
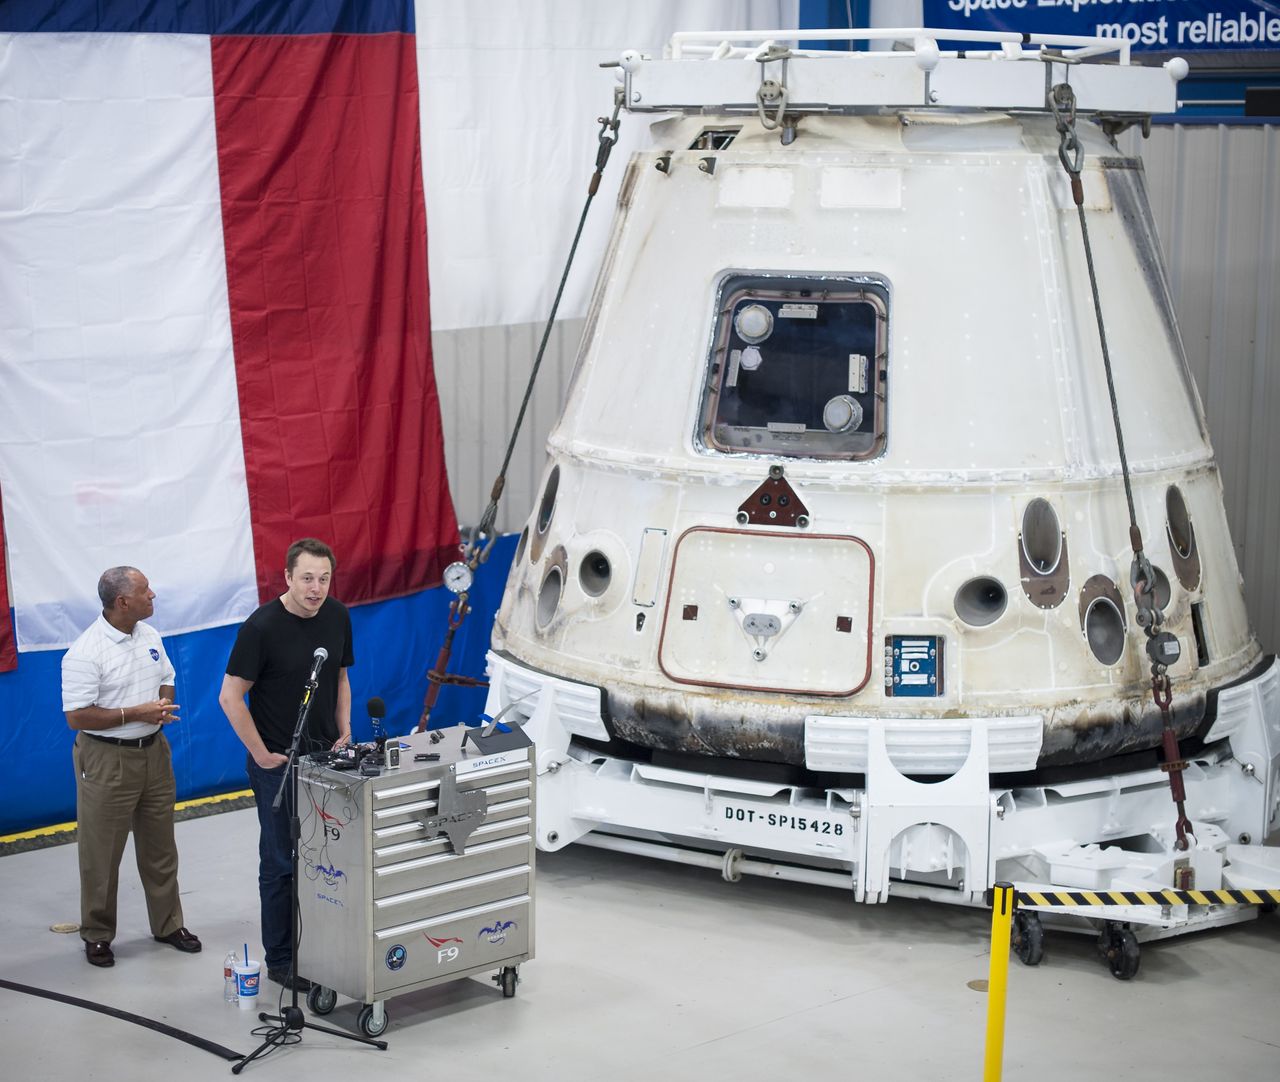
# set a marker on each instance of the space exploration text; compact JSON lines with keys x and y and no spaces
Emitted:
{"x":1157,"y":25}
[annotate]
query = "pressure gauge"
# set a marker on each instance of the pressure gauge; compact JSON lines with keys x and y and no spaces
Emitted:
{"x":457,"y":577}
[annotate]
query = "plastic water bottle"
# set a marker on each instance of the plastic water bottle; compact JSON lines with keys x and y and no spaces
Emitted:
{"x":230,"y":993}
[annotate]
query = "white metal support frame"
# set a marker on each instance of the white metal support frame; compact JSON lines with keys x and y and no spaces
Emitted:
{"x":722,"y":72}
{"x":909,"y":813}
{"x":947,"y":841}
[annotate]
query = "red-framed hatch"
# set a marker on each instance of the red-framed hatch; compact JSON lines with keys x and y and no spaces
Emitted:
{"x":769,"y":612}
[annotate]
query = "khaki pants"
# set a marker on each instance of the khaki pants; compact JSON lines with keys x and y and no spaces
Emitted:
{"x":119,"y":789}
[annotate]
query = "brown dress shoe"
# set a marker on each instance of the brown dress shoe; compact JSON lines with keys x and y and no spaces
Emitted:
{"x":181,"y":940}
{"x":98,"y":952}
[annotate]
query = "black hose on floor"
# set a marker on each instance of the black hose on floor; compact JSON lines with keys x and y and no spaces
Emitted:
{"x":136,"y":1019}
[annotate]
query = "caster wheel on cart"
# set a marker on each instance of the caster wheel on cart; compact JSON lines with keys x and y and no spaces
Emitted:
{"x":1118,"y":947}
{"x":321,"y":1000}
{"x":368,"y":1025}
{"x":507,"y":978}
{"x":1028,"y":938}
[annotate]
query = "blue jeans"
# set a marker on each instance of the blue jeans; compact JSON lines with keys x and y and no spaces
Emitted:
{"x":275,"y":864}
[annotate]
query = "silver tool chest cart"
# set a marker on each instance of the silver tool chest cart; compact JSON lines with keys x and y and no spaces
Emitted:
{"x":416,"y":874}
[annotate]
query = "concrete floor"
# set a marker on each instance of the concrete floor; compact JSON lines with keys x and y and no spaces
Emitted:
{"x":644,"y":970}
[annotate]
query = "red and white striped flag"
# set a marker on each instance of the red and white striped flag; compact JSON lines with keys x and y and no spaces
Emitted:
{"x":213,"y":305}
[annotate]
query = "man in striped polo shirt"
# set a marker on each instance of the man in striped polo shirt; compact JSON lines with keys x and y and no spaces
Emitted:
{"x":117,"y":691}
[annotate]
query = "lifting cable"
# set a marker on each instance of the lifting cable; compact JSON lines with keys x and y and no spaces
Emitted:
{"x":1162,"y":646}
{"x":481,"y":540}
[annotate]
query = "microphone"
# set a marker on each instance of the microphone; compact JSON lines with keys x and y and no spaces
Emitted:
{"x":317,"y":659}
{"x":377,"y":710}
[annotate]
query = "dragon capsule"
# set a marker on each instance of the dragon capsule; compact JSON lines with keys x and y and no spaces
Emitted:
{"x":833,"y":562}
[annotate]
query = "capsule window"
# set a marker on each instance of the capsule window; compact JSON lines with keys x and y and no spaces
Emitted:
{"x":1104,"y":630}
{"x":798,"y":368}
{"x":1181,"y":534}
{"x":549,"y":596}
{"x":981,"y":601}
{"x":547,"y":507}
{"x":594,"y":573}
{"x":1041,"y":536}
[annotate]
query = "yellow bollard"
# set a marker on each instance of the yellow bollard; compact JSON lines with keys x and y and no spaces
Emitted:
{"x":1002,"y":902}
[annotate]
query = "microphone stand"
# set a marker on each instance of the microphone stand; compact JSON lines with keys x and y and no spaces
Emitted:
{"x":291,"y":1019}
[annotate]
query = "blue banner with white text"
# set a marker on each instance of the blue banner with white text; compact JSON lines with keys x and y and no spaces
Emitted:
{"x":1165,"y":26}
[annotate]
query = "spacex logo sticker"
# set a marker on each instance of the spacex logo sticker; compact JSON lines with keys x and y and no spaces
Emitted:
{"x":515,"y":755}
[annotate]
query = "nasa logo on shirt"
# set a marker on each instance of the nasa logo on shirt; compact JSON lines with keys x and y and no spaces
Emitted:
{"x":155,"y":654}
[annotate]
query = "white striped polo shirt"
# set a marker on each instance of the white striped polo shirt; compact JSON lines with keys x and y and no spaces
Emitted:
{"x":105,"y":667}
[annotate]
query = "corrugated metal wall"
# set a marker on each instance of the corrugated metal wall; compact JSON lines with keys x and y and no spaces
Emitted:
{"x":482,"y":376}
{"x":1215,"y":193}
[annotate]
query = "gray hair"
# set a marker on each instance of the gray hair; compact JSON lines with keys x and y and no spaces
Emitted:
{"x":114,"y":582}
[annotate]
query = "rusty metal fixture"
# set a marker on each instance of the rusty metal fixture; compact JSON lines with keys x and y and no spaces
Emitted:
{"x":458,"y":609}
{"x":1173,"y":764}
{"x":774,"y":503}
{"x":456,"y":680}
{"x":1163,"y":649}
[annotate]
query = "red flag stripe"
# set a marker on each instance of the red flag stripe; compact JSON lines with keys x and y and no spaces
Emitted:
{"x":325,"y":234}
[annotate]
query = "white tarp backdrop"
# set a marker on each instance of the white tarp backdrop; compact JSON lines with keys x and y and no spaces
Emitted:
{"x":511,"y":90}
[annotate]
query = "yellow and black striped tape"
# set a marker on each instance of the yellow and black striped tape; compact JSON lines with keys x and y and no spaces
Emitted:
{"x":1081,"y":898}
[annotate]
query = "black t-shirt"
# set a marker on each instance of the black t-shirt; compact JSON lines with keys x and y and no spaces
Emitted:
{"x":274,"y":649}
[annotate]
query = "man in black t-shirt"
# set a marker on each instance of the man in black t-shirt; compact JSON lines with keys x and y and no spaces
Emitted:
{"x":270,"y":663}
